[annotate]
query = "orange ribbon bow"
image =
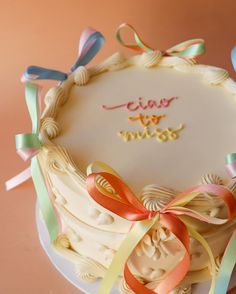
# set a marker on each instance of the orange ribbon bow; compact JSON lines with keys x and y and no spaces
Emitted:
{"x":125,"y":204}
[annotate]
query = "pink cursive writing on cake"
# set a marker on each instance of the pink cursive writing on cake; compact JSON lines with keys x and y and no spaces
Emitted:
{"x":142,"y":104}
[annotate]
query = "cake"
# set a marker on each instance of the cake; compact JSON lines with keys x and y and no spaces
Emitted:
{"x":159,"y":123}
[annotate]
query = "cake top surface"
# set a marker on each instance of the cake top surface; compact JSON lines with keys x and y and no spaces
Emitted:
{"x":165,"y":125}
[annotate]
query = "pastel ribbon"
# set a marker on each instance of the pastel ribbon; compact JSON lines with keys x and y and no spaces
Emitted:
{"x":28,"y":145}
{"x":231,"y":164}
{"x":227,"y":266}
{"x":187,"y":49}
{"x":18,"y":179}
{"x":233,"y":57}
{"x":125,"y":204}
{"x":229,"y":258}
{"x":90,"y":43}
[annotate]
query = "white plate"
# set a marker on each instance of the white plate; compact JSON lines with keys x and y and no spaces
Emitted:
{"x":67,"y":268}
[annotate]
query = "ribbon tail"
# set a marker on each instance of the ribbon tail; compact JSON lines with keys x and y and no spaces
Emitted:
{"x":45,"y":204}
{"x":18,"y":179}
{"x":205,"y":245}
{"x":134,"y":237}
{"x":227,"y":265}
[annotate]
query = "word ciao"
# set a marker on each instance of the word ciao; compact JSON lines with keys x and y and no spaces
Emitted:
{"x":161,"y":135}
{"x":142,"y":104}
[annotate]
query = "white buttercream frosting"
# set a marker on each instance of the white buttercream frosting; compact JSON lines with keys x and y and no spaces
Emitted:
{"x":91,"y":230}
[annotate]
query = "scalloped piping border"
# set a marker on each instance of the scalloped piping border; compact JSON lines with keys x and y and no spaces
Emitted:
{"x":58,"y":95}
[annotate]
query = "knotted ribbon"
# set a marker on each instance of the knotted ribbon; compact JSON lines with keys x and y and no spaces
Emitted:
{"x":90,"y":43}
{"x":125,"y":204}
{"x":187,"y":49}
{"x":229,"y":258}
{"x":28,"y":145}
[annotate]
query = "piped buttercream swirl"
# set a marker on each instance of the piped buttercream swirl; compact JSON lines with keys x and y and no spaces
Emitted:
{"x":81,"y":76}
{"x":150,"y":59}
{"x":50,"y":126}
{"x":155,"y":197}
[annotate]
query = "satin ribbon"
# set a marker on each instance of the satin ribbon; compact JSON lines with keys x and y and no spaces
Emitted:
{"x":28,"y":146}
{"x":187,"y":49}
{"x":227,"y":266}
{"x":125,"y":204}
{"x":90,"y":43}
{"x":231,"y":164}
{"x":229,"y":258}
{"x":233,"y":57}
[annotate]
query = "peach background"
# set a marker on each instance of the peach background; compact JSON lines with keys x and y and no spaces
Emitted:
{"x":46,"y":33}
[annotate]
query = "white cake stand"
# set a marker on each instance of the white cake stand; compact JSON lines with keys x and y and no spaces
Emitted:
{"x":67,"y":268}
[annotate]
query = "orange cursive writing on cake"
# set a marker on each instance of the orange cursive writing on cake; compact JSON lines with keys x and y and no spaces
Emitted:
{"x":142,"y":104}
{"x":161,"y":135}
{"x":146,"y":120}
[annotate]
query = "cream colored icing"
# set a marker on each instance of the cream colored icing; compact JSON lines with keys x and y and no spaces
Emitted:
{"x":73,"y":118}
{"x":192,"y":109}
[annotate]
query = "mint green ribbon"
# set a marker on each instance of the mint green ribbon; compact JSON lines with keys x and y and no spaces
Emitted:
{"x":27,"y":144}
{"x":45,"y":204}
{"x":229,"y":258}
{"x":227,"y":266}
{"x":230,"y":158}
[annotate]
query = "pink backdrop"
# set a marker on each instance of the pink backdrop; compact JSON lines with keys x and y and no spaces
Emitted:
{"x":46,"y":33}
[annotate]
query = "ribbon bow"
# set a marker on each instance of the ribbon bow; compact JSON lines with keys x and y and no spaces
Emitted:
{"x":27,"y":146}
{"x":125,"y":204}
{"x":90,"y":43}
{"x":187,"y":49}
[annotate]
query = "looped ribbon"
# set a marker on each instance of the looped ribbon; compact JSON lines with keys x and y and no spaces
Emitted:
{"x":187,"y":49}
{"x":90,"y":43}
{"x":28,"y":146}
{"x":229,"y":258}
{"x":125,"y":204}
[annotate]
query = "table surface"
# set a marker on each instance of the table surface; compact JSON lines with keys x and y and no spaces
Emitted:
{"x":46,"y":33}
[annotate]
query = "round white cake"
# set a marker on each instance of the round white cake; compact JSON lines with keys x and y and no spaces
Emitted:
{"x":164,"y":124}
